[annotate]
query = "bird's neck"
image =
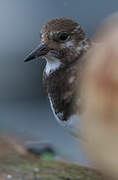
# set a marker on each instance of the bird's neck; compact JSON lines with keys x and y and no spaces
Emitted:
{"x":55,"y":64}
{"x":52,"y":65}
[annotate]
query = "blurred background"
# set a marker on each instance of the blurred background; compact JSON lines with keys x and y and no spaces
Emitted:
{"x":24,"y":107}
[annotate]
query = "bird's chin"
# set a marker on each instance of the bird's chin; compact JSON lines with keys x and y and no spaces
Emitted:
{"x":52,"y":56}
{"x":58,"y":54}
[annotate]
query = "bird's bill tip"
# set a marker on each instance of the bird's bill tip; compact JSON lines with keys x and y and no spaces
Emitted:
{"x":41,"y":50}
{"x":29,"y":58}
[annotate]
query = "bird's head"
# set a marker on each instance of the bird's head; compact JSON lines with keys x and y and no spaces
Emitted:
{"x":61,"y":39}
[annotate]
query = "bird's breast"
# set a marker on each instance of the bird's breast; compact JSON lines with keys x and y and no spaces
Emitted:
{"x":72,"y":124}
{"x":60,"y":86}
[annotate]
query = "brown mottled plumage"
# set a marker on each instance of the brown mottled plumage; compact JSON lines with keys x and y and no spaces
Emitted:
{"x":63,"y":42}
{"x":62,"y":93}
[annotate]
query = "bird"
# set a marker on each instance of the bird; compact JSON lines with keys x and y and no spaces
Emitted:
{"x":63,"y":44}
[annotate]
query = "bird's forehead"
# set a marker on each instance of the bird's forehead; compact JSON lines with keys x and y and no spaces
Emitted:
{"x":57,"y":25}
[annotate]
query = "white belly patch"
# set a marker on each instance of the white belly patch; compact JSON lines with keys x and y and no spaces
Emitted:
{"x":72,"y":124}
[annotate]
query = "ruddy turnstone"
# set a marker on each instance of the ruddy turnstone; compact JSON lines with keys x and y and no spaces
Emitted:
{"x":63,"y":43}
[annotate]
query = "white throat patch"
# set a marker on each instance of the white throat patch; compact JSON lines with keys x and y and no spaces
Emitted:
{"x":52,"y":65}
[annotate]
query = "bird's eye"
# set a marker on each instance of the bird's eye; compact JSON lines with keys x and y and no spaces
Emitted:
{"x":63,"y":36}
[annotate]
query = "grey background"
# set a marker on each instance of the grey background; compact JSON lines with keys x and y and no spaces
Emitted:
{"x":24,"y":108}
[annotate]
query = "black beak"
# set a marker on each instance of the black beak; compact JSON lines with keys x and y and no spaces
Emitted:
{"x":41,"y":50}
